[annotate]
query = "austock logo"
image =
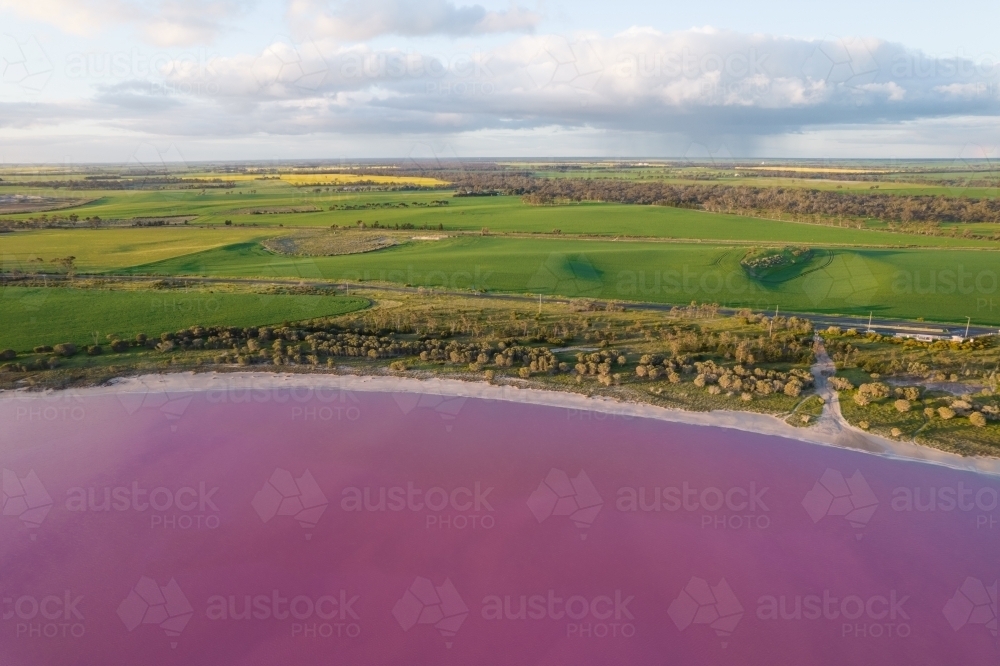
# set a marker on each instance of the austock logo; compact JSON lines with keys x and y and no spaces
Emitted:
{"x":462,"y":507}
{"x":864,"y":616}
{"x":833,"y":495}
{"x":701,"y":603}
{"x":150,"y":160}
{"x":25,"y":498}
{"x":973,"y":603}
{"x":840,"y":61}
{"x":559,"y":495}
{"x":64,"y":405}
{"x":26,"y":300}
{"x":980,"y":502}
{"x":284,"y":495}
{"x":567,"y":275}
{"x":732,"y":508}
{"x":563,"y":64}
{"x":51,"y":616}
{"x":148,"y":603}
{"x":286,"y":64}
{"x":447,"y":407}
{"x":186,"y":508}
{"x":326,"y":616}
{"x":331,"y":402}
{"x":438,"y":605}
{"x":171,"y":402}
{"x":599,"y":616}
{"x":846,"y":278}
{"x":24,"y":64}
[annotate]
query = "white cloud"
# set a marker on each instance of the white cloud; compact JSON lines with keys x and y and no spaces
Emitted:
{"x":80,"y":17}
{"x":892,"y":90}
{"x":698,"y":82}
{"x":962,"y":90}
{"x":190,"y":22}
{"x":162,"y":22}
{"x":359,"y":20}
{"x":702,"y":84}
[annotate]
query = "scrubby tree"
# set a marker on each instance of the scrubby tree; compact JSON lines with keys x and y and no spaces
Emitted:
{"x":793,"y":388}
{"x":65,"y":349}
{"x":841,"y":384}
{"x":868,"y":393}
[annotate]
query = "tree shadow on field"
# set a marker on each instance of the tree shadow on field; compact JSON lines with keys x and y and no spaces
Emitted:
{"x":567,"y":275}
{"x":201,"y":262}
{"x":774,"y":281}
{"x":821,"y":261}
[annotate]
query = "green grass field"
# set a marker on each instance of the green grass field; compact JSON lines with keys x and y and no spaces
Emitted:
{"x":498,"y":214}
{"x":937,"y":284}
{"x":106,"y":249}
{"x":831,"y":182}
{"x":48,"y":316}
{"x":597,"y":252}
{"x":912,"y":179}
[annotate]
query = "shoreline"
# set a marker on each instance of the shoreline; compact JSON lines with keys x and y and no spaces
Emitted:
{"x":826,"y":431}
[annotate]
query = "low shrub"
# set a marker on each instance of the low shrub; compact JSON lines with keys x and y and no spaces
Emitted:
{"x":65,"y":349}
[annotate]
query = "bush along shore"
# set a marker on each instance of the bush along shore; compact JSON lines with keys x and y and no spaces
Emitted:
{"x":937,"y":394}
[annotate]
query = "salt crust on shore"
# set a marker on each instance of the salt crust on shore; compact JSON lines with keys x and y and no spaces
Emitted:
{"x":827,"y":431}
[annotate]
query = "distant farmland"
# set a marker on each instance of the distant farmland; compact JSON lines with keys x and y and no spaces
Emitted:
{"x":501,"y":244}
{"x":52,"y":315}
{"x":941,"y":284}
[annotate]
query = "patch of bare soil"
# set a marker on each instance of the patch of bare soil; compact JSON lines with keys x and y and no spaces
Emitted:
{"x":25,"y":203}
{"x":330,"y":243}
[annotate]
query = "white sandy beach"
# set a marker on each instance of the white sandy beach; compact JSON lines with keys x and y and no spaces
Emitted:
{"x":829,"y":430}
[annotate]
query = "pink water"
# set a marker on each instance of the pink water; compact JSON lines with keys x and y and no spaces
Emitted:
{"x":677,"y":544}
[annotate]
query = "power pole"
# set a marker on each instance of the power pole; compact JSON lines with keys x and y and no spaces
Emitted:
{"x":967,"y":325}
{"x":869,"y":322}
{"x":539,"y":304}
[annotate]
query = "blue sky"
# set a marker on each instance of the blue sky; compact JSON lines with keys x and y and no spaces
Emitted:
{"x":119,"y":80}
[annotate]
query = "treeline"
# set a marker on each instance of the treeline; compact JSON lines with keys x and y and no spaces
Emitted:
{"x":369,"y":186}
{"x":914,"y":177}
{"x":118,"y":183}
{"x":870,"y":177}
{"x":794,"y":201}
{"x":376,"y":205}
{"x":74,"y":221}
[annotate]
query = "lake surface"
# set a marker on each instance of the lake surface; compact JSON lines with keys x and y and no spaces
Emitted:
{"x":299,"y":527}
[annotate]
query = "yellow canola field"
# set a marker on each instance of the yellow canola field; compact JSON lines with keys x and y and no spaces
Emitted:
{"x":348,"y":178}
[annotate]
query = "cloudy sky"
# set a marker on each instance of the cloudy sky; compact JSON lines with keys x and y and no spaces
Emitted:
{"x":192,"y":80}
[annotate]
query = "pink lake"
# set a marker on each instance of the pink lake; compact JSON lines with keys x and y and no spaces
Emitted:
{"x":338,"y":527}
